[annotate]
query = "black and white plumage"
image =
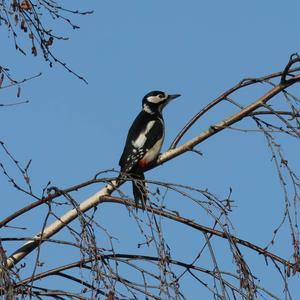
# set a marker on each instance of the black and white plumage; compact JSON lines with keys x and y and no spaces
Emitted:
{"x":144,"y":141}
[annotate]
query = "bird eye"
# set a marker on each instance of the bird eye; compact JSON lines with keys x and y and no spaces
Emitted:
{"x":161,"y":96}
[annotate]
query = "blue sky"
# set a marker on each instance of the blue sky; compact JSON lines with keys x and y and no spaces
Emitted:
{"x":199,"y":49}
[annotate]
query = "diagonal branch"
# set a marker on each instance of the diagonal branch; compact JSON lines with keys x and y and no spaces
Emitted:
{"x":227,"y":122}
{"x":243,"y":83}
{"x":205,"y":229}
{"x":95,"y":199}
{"x":124,"y":256}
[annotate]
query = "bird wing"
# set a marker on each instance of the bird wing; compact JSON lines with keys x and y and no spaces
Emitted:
{"x":143,"y":134}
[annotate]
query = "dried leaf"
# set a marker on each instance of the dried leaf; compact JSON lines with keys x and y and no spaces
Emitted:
{"x":27,"y":179}
{"x":14,"y":5}
{"x":49,"y":42}
{"x":288,"y":271}
{"x":25,"y":5}
{"x":18,"y":91}
{"x":23,"y":26}
{"x":16,"y":19}
{"x":34,"y":51}
{"x":110,"y":296}
{"x":1,"y":79}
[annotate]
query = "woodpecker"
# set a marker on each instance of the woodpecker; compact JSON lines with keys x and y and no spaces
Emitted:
{"x":144,"y":142}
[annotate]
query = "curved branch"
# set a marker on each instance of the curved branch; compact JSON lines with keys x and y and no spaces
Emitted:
{"x":293,"y":115}
{"x":202,"y":228}
{"x":243,"y":83}
{"x":95,"y":199}
{"x":120,"y":256}
{"x":51,"y":196}
{"x":294,"y":58}
{"x":185,"y":221}
{"x":227,"y":122}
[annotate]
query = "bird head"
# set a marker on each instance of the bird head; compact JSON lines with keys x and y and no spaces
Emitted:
{"x":155,"y":101}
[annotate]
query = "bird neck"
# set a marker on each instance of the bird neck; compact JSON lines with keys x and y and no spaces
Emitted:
{"x":152,"y":109}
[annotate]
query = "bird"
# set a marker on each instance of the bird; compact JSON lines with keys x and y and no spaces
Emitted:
{"x":144,"y":141}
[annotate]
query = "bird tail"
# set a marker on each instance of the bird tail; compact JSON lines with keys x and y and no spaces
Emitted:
{"x":139,"y":189}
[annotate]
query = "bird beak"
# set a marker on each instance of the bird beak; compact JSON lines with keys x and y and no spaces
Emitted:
{"x":171,"y":97}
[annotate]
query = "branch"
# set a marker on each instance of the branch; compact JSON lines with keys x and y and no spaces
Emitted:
{"x":14,"y":103}
{"x":293,"y":115}
{"x":56,"y":226}
{"x":294,"y":58}
{"x":95,"y":199}
{"x":28,"y":19}
{"x":227,"y":122}
{"x":120,"y":256}
{"x":205,"y":229}
{"x":190,"y":223}
{"x":243,"y":83}
{"x":51,"y":196}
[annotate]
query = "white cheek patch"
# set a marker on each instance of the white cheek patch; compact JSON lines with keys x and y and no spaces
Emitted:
{"x":156,"y":99}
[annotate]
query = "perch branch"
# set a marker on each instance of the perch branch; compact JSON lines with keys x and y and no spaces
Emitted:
{"x":95,"y":199}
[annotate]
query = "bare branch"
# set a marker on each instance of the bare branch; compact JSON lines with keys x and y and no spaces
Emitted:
{"x":243,"y":83}
{"x":96,"y":198}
